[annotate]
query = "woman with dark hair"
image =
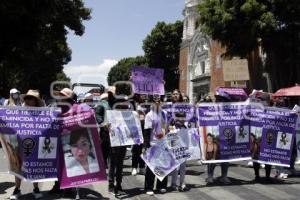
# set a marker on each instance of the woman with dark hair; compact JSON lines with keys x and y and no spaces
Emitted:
{"x":81,"y":160}
{"x":176,"y":96}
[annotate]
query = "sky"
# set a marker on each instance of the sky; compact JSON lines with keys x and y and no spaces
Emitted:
{"x":117,"y":30}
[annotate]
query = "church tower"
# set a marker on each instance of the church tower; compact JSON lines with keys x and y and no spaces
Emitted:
{"x":194,"y":62}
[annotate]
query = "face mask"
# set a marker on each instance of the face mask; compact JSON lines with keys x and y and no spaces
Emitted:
{"x":15,"y":96}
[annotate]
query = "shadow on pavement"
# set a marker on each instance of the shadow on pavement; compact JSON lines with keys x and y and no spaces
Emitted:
{"x":193,"y":172}
{"x":263,"y":181}
{"x":85,"y":193}
{"x":130,"y":193}
{"x":5,"y":185}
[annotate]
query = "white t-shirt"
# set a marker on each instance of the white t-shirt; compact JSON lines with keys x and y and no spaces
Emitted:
{"x":153,"y":121}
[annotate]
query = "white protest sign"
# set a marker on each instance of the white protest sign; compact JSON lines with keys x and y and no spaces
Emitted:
{"x":125,"y":128}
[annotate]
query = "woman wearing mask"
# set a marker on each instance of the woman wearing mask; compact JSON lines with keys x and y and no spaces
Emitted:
{"x":14,"y":98}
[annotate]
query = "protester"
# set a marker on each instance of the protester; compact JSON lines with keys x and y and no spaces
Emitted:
{"x":179,"y":125}
{"x":211,"y":150}
{"x":177,"y":97}
{"x":255,"y":142}
{"x":220,"y":97}
{"x":117,"y":154}
{"x":137,"y":161}
{"x":153,"y":131}
{"x":66,"y":100}
{"x":100,"y":110}
{"x":14,"y":98}
{"x":31,"y":99}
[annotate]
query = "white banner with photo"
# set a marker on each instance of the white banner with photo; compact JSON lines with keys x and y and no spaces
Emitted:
{"x":125,"y":128}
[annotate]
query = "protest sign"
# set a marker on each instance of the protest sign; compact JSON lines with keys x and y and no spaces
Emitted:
{"x":180,"y":111}
{"x":29,"y":137}
{"x":82,"y":157}
{"x":224,"y":132}
{"x":184,"y":143}
{"x":160,"y":159}
{"x":125,"y":128}
{"x":273,"y":132}
{"x":148,"y":80}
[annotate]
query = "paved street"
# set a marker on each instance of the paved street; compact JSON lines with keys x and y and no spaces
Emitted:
{"x":242,"y":187}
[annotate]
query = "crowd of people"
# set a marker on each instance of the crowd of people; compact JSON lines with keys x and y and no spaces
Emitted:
{"x":148,"y":108}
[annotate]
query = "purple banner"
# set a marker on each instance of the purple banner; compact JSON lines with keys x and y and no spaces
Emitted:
{"x":82,"y":156}
{"x":180,"y":111}
{"x":273,"y":134}
{"x":224,"y":132}
{"x":148,"y":80}
{"x":29,"y":137}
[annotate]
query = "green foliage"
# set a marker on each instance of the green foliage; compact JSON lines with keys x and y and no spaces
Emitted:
{"x":243,"y":25}
{"x":122,"y":70}
{"x":162,"y":48}
{"x":33,"y":43}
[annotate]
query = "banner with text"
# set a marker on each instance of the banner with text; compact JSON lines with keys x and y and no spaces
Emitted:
{"x":82,"y":157}
{"x":29,"y":137}
{"x":184,"y":143}
{"x":184,"y":112}
{"x":224,"y":132}
{"x":125,"y":128}
{"x":148,"y":80}
{"x":272,"y":133}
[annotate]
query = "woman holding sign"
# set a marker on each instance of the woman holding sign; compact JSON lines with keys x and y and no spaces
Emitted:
{"x":153,"y":132}
{"x":31,"y":99}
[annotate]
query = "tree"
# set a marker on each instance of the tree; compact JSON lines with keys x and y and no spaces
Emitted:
{"x":243,"y":26}
{"x":122,"y":70}
{"x":33,"y":46}
{"x":162,"y":48}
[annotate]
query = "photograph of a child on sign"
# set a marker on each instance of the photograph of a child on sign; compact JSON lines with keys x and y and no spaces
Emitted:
{"x":79,"y":153}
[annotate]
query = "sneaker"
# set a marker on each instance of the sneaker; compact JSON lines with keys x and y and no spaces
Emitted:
{"x":283,"y":175}
{"x":16,"y":194}
{"x":111,"y":190}
{"x":162,"y":190}
{"x":150,"y":192}
{"x":36,"y":193}
{"x":183,"y":188}
{"x":225,"y":180}
{"x":134,"y":172}
{"x":250,"y":164}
